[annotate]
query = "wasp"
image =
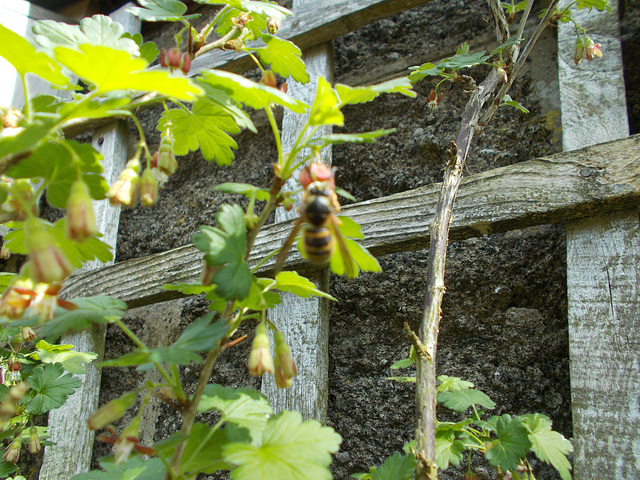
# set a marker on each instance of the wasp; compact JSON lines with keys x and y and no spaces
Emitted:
{"x":318,"y":220}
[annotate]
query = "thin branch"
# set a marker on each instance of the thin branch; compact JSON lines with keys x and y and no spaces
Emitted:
{"x":499,"y":20}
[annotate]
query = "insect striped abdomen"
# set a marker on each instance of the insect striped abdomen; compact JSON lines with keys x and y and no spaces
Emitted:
{"x":318,"y":244}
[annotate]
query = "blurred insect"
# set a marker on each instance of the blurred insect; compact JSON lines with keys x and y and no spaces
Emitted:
{"x":321,"y":231}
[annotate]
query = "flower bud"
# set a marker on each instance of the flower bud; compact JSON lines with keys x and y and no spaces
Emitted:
{"x":28,"y":335}
{"x":81,"y":221}
{"x":579,"y":53}
{"x":148,"y":188}
{"x":208,"y":274}
{"x":4,"y":253}
{"x":13,"y":364}
{"x":127,"y":442}
{"x":185,"y":63}
{"x":470,"y":476}
{"x":260,"y":360}
{"x":591,"y":49}
{"x":502,"y":73}
{"x":434,"y":99}
{"x":10,"y":117}
{"x":174,"y":55}
{"x":13,"y":452}
{"x":45,"y":301}
{"x":284,"y":366}
{"x":125,"y":190}
{"x":241,"y":20}
{"x":47,"y":262}
{"x":273,"y":24}
{"x":21,"y":196}
{"x":34,"y":441}
{"x":269,"y":78}
{"x":166,"y":159}
{"x":111,"y":412}
{"x":284,"y":88}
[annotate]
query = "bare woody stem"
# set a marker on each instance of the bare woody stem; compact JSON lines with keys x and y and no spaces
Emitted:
{"x":427,"y":340}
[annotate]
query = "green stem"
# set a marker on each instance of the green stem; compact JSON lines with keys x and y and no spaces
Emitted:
{"x":233,"y":33}
{"x":27,"y":99}
{"x":272,"y":203}
{"x":206,"y":31}
{"x":276,"y":132}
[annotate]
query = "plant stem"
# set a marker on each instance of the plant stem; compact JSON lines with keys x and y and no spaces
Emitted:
{"x":276,"y":186}
{"x":233,"y":33}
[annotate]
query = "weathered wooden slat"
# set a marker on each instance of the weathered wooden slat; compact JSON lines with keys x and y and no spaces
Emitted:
{"x":603,"y":273}
{"x":73,"y":447}
{"x":567,"y":185}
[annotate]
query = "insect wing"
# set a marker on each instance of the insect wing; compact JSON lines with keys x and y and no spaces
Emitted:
{"x":341,"y":260}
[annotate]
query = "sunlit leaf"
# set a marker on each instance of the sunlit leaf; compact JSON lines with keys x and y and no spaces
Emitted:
{"x":264,"y":8}
{"x":289,"y":449}
{"x":284,"y":58}
{"x":24,"y":58}
{"x":27,"y":138}
{"x":340,"y":138}
{"x":448,"y":449}
{"x":71,"y":360}
{"x":460,"y":400}
{"x":352,"y":95}
{"x":111,"y":70}
{"x":512,"y":444}
{"x":507,"y":100}
{"x":189,"y":288}
{"x":249,"y":191}
{"x":51,"y":388}
{"x":597,"y":4}
{"x":134,"y":469}
{"x":161,"y":11}
{"x":404,"y":363}
{"x":425,"y":70}
{"x":396,"y":467}
{"x":453,"y":384}
{"x":326,"y":106}
{"x":93,"y":108}
{"x":550,"y":447}
{"x":298,"y":285}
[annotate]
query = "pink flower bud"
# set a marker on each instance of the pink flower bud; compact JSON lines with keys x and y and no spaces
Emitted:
{"x":273,"y":24}
{"x":174,"y":55}
{"x":34,"y":441}
{"x":260,"y":360}
{"x":185,"y":63}
{"x":28,"y":335}
{"x":269,"y":78}
{"x":111,"y":412}
{"x":13,"y":452}
{"x":167,"y":162}
{"x":81,"y":221}
{"x":148,"y":188}
{"x":125,"y":190}
{"x":163,"y":58}
{"x":284,"y":366}
{"x":47,"y":262}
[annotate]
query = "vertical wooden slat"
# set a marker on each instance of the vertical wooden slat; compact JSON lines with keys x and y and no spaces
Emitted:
{"x":73,"y":447}
{"x":603,"y":255}
{"x":305,"y":322}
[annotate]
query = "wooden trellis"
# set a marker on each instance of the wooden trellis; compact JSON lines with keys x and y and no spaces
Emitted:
{"x":594,"y":190}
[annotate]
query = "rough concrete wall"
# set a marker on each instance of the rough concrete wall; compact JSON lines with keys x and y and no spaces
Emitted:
{"x":504,"y":315}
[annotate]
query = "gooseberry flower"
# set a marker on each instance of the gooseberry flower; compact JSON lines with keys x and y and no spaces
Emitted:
{"x":34,"y":442}
{"x":592,"y":49}
{"x":434,"y":99}
{"x":579,"y":52}
{"x":260,"y":359}
{"x":111,"y":412}
{"x":28,"y":335}
{"x":13,"y":452}
{"x":284,"y":366}
{"x":16,"y":298}
{"x":273,"y":24}
{"x":165,"y":158}
{"x":148,"y":188}
{"x":81,"y":221}
{"x":269,"y":78}
{"x":175,"y":59}
{"x":125,"y":190}
{"x":47,"y":262}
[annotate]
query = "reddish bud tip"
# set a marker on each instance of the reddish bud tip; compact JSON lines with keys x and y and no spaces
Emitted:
{"x":269,"y":78}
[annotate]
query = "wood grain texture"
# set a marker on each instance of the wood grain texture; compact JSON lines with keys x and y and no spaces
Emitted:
{"x":565,"y":186}
{"x":602,"y":270}
{"x":73,"y":447}
{"x":304,"y":321}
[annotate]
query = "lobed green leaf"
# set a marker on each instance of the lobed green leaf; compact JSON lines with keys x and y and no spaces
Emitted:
{"x":161,"y":11}
{"x":453,"y":384}
{"x":284,"y":58}
{"x":512,"y":444}
{"x":461,"y":400}
{"x":134,"y":469}
{"x":51,"y":387}
{"x":352,"y":95}
{"x":340,"y":138}
{"x":298,"y":285}
{"x":396,"y":467}
{"x":264,"y":8}
{"x":550,"y":447}
{"x":448,"y":449}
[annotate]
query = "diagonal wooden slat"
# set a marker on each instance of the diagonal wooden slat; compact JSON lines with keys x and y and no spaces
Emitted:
{"x":568,"y":185}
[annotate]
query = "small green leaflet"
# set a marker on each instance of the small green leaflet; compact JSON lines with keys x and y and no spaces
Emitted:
{"x":284,"y":58}
{"x":298,"y":285}
{"x":249,"y":191}
{"x":5,"y":279}
{"x":24,"y":58}
{"x":96,"y":30}
{"x":289,"y":449}
{"x":403,"y":379}
{"x":264,"y":8}
{"x":200,"y":336}
{"x":340,"y":138}
{"x":510,"y":41}
{"x":225,"y":246}
{"x":51,"y":388}
{"x":245,"y":407}
{"x":463,"y":59}
{"x":7,"y":469}
{"x":250,"y":93}
{"x":326,"y":106}
{"x":26,"y":139}
{"x":133,"y":469}
{"x":600,"y":5}
{"x":352,"y":95}
{"x":460,"y":400}
{"x":161,"y":11}
{"x":396,"y":467}
{"x":256,"y":26}
{"x":512,"y":444}
{"x":425,"y":70}
{"x":205,"y":127}
{"x":550,"y":447}
{"x":63,"y":354}
{"x":189,"y":288}
{"x":203,"y":453}
{"x":448,"y":449}
{"x":453,"y":384}
{"x":111,"y":70}
{"x":361,"y":259}
{"x":507,"y":100}
{"x":511,"y":8}
{"x":404,"y":363}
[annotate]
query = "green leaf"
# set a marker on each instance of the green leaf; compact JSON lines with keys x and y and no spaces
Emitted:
{"x":189,"y":288}
{"x":249,"y":191}
{"x":225,"y":247}
{"x":133,"y":469}
{"x":463,"y":59}
{"x":110,"y":70}
{"x":404,"y":363}
{"x":250,"y":93}
{"x":453,"y":384}
{"x":361,"y":259}
{"x":425,"y":70}
{"x":448,"y":449}
{"x":403,"y":379}
{"x":510,"y":41}
{"x":161,"y":11}
{"x":550,"y":447}
{"x":5,"y":279}
{"x":512,"y":444}
{"x":600,"y":5}
{"x":96,"y":30}
{"x":340,"y":138}
{"x":298,"y":285}
{"x":7,"y":468}
{"x":284,"y":58}
{"x":263,"y":8}
{"x":51,"y":388}
{"x":396,"y":467}
{"x":245,"y":407}
{"x":71,"y":360}
{"x":81,"y":108}
{"x":256,"y":26}
{"x":26,"y":139}
{"x":460,"y":400}
{"x":507,"y":100}
{"x":514,"y":8}
{"x":326,"y":106}
{"x":289,"y":449}
{"x":61,"y":174}
{"x":200,"y":336}
{"x":24,"y":58}
{"x":90,"y":310}
{"x":352,"y":95}
{"x":205,"y":127}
